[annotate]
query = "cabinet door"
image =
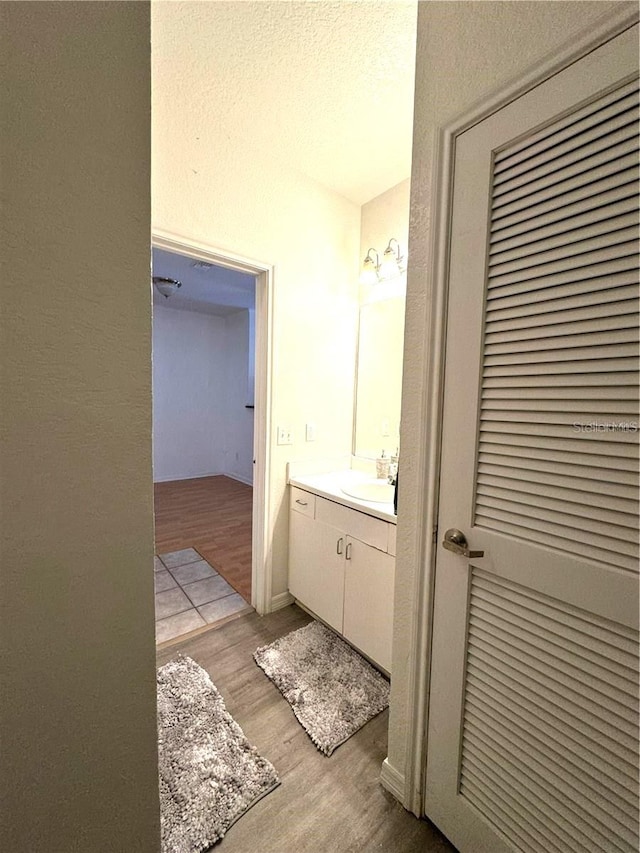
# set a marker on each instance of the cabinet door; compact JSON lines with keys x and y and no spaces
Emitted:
{"x":368,"y":601}
{"x":316,"y":567}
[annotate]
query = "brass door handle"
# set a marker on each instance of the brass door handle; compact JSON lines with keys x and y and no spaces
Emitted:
{"x":455,"y":541}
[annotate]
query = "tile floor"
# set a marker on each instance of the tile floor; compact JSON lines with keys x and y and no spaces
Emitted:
{"x":190,"y":594}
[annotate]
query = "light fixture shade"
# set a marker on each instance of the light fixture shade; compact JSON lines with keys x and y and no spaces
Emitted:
{"x":392,"y":261}
{"x":369,"y":274}
{"x":389,"y":267}
{"x":166,"y":286}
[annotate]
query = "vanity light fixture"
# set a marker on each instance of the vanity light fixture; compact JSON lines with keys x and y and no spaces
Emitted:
{"x":369,"y":274}
{"x":393,"y":263}
{"x":166,"y":286}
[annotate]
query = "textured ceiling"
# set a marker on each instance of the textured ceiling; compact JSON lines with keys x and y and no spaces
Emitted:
{"x":324,"y":87}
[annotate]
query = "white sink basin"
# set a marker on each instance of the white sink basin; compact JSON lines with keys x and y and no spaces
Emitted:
{"x":378,"y":491}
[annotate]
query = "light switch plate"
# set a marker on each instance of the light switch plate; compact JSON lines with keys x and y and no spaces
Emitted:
{"x":310,"y":432}
{"x":285,"y":435}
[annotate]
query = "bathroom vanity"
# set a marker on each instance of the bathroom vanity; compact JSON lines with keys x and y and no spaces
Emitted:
{"x":342,"y":557}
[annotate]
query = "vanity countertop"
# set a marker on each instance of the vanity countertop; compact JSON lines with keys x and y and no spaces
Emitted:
{"x":330,"y":486}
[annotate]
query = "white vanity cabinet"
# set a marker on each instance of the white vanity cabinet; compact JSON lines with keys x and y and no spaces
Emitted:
{"x":368,"y":601}
{"x":341,"y":569}
{"x":316,"y":567}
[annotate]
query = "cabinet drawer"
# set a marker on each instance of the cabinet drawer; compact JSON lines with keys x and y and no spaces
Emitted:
{"x":366,"y":528}
{"x":302,"y":501}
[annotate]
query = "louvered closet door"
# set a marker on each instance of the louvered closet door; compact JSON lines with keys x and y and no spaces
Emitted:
{"x":533,"y":713}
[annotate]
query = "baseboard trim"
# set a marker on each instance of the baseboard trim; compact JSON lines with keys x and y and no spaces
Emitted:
{"x":392,"y":780}
{"x":239,"y":478}
{"x":174,"y":479}
{"x":283,"y":599}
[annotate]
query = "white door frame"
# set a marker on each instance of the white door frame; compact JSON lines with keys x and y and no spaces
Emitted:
{"x":429,"y":434}
{"x":261,"y":534}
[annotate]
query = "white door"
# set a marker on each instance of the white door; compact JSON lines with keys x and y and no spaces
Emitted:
{"x":533,"y":709}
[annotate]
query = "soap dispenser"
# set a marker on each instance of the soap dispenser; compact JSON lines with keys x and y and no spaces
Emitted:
{"x":393,"y":468}
{"x":382,"y":466}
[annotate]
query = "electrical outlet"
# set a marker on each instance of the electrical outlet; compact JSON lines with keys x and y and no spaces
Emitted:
{"x":285,"y":435}
{"x":310,"y":432}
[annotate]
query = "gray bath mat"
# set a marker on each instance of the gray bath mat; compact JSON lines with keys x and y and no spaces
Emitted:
{"x":209,"y":772}
{"x":332,"y":690}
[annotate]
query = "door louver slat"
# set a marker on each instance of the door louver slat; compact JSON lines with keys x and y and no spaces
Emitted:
{"x":601,"y":776}
{"x":537,"y":464}
{"x":563,"y":312}
{"x":561,"y":322}
{"x":593,"y":264}
{"x":528,"y":689}
{"x":608,"y":366}
{"x":570,"y":768}
{"x":564,"y":204}
{"x":618,"y":285}
{"x":550,"y":381}
{"x":564,"y":252}
{"x":540,"y":391}
{"x":589,"y":206}
{"x":565,"y":182}
{"x":582,"y":639}
{"x":601,"y":115}
{"x":597,"y":153}
{"x":586,"y":224}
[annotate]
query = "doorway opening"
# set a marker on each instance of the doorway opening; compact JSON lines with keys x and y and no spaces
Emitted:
{"x":211,"y":355}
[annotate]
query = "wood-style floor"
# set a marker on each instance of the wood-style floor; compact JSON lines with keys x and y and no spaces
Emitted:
{"x":212,"y":515}
{"x":323,"y":804}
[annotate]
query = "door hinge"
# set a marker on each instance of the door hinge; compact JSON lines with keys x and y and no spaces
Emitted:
{"x":435,"y":535}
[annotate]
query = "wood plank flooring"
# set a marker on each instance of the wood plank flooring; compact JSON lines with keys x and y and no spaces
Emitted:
{"x":212,"y":515}
{"x":323,"y":804}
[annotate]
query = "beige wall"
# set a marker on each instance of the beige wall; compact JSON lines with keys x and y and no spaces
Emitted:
{"x":465,"y":51}
{"x":78,"y":729}
{"x":229,"y":194}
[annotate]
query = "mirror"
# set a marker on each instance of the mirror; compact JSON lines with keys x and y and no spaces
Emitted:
{"x":379,"y":377}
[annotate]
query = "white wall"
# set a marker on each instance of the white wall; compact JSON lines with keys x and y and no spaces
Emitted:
{"x":189,"y":394}
{"x":465,"y":50}
{"x":200,"y":390}
{"x":216,"y":187}
{"x":78,"y":696}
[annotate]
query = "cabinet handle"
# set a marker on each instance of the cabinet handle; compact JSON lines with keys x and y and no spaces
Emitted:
{"x":339,"y":545}
{"x":302,"y":503}
{"x":347,"y":553}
